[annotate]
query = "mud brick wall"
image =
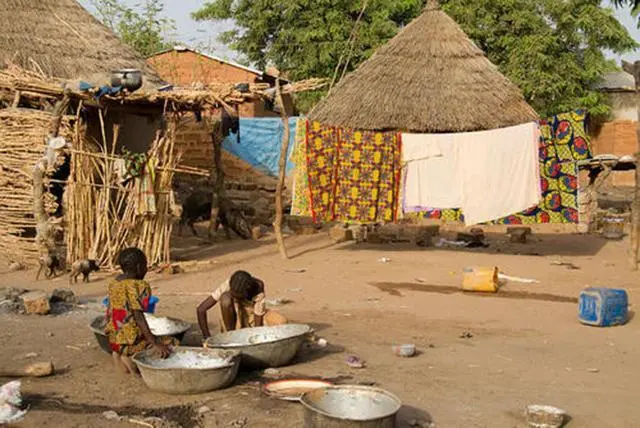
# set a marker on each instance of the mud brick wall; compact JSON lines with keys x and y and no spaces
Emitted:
{"x":618,"y":138}
{"x":249,"y":188}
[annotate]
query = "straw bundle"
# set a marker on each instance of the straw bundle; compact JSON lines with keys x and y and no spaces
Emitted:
{"x":22,"y":144}
{"x":430,"y":78}
{"x":103,"y":216}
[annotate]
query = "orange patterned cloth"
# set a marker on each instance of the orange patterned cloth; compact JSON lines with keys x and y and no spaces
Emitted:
{"x":354,"y":176}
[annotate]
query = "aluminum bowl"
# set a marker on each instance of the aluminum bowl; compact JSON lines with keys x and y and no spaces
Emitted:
{"x":187,"y":379}
{"x":177,"y":328}
{"x":263,"y":346}
{"x":350,"y":406}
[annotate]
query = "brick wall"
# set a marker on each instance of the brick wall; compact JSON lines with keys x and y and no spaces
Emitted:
{"x":617,"y":137}
{"x":250,"y":189}
{"x":187,"y":68}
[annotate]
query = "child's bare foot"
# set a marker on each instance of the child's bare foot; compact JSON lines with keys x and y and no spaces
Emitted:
{"x":131,"y":368}
{"x":118,"y":365}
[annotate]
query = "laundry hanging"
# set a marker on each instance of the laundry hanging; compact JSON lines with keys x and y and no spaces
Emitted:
{"x":301,"y":195}
{"x":354,"y":176}
{"x":261,"y":143}
{"x":499,"y":172}
{"x":431,"y":175}
{"x":563,"y":141}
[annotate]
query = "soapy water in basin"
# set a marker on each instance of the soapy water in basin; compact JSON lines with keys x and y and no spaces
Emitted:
{"x":263,"y":338}
{"x":189,"y":360}
{"x":162,"y":326}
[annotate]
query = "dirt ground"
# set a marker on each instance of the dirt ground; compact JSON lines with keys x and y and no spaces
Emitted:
{"x":526,"y":344}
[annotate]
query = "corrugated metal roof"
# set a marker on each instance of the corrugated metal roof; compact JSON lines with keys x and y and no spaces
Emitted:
{"x":618,"y":80}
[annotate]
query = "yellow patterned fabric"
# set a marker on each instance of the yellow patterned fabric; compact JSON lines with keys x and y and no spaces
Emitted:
{"x":354,"y":176}
{"x":300,"y":204}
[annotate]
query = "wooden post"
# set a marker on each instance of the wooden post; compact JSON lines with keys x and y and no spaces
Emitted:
{"x":46,"y":228}
{"x":634,"y":69}
{"x":218,"y":173}
{"x":282,"y":166}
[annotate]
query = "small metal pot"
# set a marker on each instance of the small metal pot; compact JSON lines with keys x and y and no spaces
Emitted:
{"x":350,"y":406}
{"x":129,"y":79}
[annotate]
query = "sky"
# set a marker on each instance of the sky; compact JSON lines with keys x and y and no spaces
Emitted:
{"x":204,"y":35}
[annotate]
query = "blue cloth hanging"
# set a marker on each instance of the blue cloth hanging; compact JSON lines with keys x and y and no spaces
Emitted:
{"x":261,"y":143}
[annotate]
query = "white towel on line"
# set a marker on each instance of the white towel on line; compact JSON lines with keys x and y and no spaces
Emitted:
{"x":489,"y":174}
{"x":431,"y":173}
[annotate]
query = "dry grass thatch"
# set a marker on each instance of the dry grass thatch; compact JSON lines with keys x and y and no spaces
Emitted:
{"x":60,"y":38}
{"x":430,"y":78}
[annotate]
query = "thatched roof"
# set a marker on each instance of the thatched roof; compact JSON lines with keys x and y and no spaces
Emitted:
{"x":430,"y":78}
{"x":60,"y":38}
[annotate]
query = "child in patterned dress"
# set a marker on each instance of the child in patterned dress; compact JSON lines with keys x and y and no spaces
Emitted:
{"x":127,"y":327}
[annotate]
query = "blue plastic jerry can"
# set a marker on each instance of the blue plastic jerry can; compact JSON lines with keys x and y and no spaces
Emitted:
{"x":603,"y":307}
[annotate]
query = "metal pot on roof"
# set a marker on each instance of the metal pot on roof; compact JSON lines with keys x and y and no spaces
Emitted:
{"x":128,"y":78}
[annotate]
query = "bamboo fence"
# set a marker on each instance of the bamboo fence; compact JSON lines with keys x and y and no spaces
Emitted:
{"x":22,"y":144}
{"x":103,"y":216}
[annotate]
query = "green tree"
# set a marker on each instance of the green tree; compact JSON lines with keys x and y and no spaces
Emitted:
{"x":554,"y":50}
{"x":143,"y":27}
{"x":309,"y":38}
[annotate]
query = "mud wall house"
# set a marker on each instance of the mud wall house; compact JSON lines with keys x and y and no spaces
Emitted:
{"x":616,"y":135}
{"x":247,"y":186}
{"x":40,"y":41}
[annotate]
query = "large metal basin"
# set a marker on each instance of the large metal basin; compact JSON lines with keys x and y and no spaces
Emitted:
{"x":172,"y":327}
{"x":350,"y":406}
{"x":264,"y":346}
{"x":163,"y":376}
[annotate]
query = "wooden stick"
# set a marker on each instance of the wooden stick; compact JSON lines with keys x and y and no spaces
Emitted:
{"x":30,"y":370}
{"x":218,"y":173}
{"x":282,"y":166}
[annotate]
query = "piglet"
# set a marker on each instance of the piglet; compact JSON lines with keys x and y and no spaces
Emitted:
{"x":49,"y":264}
{"x":84,"y":267}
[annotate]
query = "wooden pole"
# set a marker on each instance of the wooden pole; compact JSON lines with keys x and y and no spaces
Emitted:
{"x":634,"y":69}
{"x":218,"y":173}
{"x":282,"y":166}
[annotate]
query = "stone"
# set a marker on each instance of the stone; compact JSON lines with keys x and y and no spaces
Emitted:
{"x":376,"y":238}
{"x":64,"y":295}
{"x":111,"y":415}
{"x":305,"y":230}
{"x":518,"y":235}
{"x":36,"y":303}
{"x":424,"y":241}
{"x":16,"y":266}
{"x":339,"y":234}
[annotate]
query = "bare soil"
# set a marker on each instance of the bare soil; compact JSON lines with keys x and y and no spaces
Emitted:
{"x":481,"y":359}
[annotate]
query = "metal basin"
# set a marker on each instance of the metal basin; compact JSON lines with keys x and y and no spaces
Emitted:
{"x":350,"y":406}
{"x":159,"y":327}
{"x":188,"y":370}
{"x":264,"y":346}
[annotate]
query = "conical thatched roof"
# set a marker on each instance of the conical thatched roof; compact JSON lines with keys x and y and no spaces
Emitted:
{"x":430,"y":78}
{"x":62,"y":39}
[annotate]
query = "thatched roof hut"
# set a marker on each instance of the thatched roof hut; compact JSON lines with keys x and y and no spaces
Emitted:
{"x":430,"y":78}
{"x":60,"y":38}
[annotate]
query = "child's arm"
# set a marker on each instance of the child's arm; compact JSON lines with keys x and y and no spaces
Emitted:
{"x":259,"y":320}
{"x":206,"y":304}
{"x":162,"y":349}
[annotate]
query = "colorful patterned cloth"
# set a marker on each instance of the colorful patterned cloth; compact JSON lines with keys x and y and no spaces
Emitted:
{"x":563,"y":141}
{"x":354,"y":176}
{"x":301,"y":194}
{"x":125,"y":297}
